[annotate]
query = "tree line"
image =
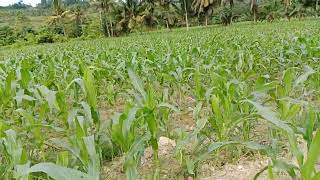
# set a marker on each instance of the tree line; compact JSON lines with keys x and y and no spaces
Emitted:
{"x":124,"y":16}
{"x":94,"y":18}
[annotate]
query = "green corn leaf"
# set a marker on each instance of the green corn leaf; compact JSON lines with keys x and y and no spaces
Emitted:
{"x":91,"y":92}
{"x":218,"y":145}
{"x":131,"y":169}
{"x":215,"y":101}
{"x":190,"y":165}
{"x":312,"y":158}
{"x":63,"y":158}
{"x":197,"y":110}
{"x":316,"y":176}
{"x":250,"y":145}
{"x":295,"y":149}
{"x":12,"y":146}
{"x":94,"y":166}
{"x":63,"y":144}
{"x":133,"y":156}
{"x":289,"y":168}
{"x":287,"y":79}
{"x":309,"y":126}
{"x":302,"y":78}
{"x":7,"y":93}
{"x":80,"y":83}
{"x":22,"y":171}
{"x":117,"y":131}
{"x":25,"y":77}
{"x":129,"y":121}
{"x":254,"y":146}
{"x":271,"y":117}
{"x":169,"y":106}
{"x":137,"y":83}
{"x":87,"y":112}
{"x":270,"y":172}
{"x":198,"y":86}
{"x":60,"y":173}
{"x":50,"y":97}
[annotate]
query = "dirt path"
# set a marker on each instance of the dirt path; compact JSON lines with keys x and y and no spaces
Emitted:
{"x":242,"y":170}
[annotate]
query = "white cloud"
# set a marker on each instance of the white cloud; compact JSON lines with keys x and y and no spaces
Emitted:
{"x":32,"y":2}
{"x":8,"y":2}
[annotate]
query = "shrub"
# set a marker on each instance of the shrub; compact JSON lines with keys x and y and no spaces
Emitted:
{"x":45,"y":38}
{"x":7,"y":36}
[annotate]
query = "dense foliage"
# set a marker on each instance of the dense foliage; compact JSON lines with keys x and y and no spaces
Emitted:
{"x":59,"y":20}
{"x":54,"y":99}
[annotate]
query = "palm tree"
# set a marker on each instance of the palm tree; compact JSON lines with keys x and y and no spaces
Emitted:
{"x":317,"y":7}
{"x":227,"y":14}
{"x":105,"y":7}
{"x":167,"y":11}
{"x":186,"y":13}
{"x":287,"y":4}
{"x":57,"y":7}
{"x":254,"y":9}
{"x":204,"y":7}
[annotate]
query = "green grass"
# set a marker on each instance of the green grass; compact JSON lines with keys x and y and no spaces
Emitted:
{"x":9,"y":18}
{"x":53,"y":98}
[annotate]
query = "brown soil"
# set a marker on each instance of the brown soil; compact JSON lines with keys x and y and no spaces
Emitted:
{"x":243,"y":169}
{"x":170,"y":168}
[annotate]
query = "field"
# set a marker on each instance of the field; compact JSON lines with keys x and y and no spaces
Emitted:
{"x":165,"y":105}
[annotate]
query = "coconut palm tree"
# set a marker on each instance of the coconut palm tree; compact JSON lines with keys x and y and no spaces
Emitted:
{"x":185,"y":5}
{"x":254,"y":9}
{"x":205,"y":7}
{"x":57,"y":6}
{"x":105,"y":8}
{"x":167,"y":11}
{"x":226,"y":14}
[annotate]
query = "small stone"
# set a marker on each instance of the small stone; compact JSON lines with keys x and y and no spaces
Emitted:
{"x":163,"y":141}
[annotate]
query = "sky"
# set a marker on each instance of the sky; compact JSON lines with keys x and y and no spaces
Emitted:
{"x":8,"y":2}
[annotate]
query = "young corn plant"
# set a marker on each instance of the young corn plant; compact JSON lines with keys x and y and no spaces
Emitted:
{"x":82,"y":124}
{"x":149,"y":106}
{"x":197,"y":146}
{"x":306,"y":165}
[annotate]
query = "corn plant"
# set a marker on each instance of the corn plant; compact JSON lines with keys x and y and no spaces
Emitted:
{"x":69,"y":109}
{"x":306,"y":165}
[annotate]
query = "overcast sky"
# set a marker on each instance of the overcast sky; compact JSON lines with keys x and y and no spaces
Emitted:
{"x":8,"y":2}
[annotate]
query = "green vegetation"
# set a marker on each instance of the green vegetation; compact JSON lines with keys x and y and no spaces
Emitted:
{"x":60,"y":20}
{"x":68,"y":110}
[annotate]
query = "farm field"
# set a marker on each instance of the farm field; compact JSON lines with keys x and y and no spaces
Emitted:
{"x":165,"y":105}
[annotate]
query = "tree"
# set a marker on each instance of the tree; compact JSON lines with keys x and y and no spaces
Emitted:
{"x":57,"y":7}
{"x":317,"y":7}
{"x":204,"y":7}
{"x":186,"y":12}
{"x":226,"y":14}
{"x":105,"y":7}
{"x":167,"y":11}
{"x":254,"y":9}
{"x":43,"y":3}
{"x":19,"y":5}
{"x":77,"y":21}
{"x":6,"y":36}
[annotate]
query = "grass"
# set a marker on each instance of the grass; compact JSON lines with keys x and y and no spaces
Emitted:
{"x":54,"y":100}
